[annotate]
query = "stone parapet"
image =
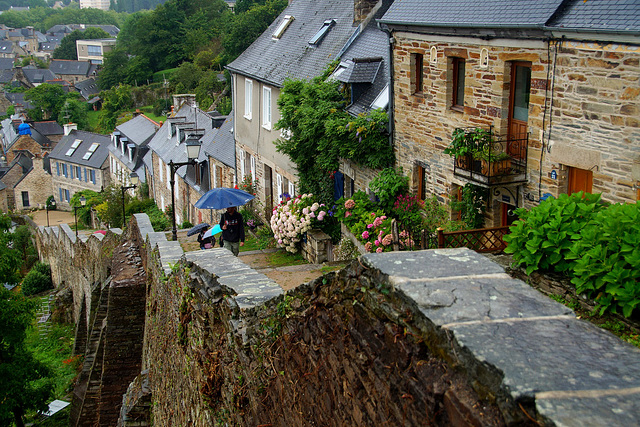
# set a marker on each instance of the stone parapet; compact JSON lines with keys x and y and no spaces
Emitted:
{"x":437,"y":337}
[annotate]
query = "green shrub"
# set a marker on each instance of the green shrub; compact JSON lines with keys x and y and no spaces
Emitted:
{"x":606,"y":258}
{"x":388,"y":185}
{"x":543,"y":236}
{"x":37,"y":280}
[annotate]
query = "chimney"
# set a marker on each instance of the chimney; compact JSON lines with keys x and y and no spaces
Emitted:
{"x":361,"y":9}
{"x":68,"y":127}
{"x":137,"y":113}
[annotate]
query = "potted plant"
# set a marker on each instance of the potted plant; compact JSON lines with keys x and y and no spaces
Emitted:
{"x":493,"y":162}
{"x":464,"y":143}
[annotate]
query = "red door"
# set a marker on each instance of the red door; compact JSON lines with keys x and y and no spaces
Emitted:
{"x":580,"y":180}
{"x":519,"y":109}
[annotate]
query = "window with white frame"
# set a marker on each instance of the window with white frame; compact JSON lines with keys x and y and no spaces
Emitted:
{"x":248,"y":98}
{"x":253,"y":170}
{"x":160,"y":168}
{"x":279,"y":186}
{"x":168,"y":177}
{"x":292,"y":190}
{"x":243,"y":170}
{"x":266,"y":108}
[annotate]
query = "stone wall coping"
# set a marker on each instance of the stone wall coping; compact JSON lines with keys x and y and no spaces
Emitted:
{"x":250,"y":287}
{"x":577,"y":373}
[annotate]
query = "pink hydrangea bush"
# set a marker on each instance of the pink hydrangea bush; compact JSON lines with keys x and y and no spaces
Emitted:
{"x":294,"y":217}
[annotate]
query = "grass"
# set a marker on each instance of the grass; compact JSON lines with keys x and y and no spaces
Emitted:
{"x":94,"y":117}
{"x":282,"y":258}
{"x":54,"y":349}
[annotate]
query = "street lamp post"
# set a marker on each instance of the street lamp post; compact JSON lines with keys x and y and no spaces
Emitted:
{"x":50,"y":207}
{"x":133,"y":177}
{"x":193,"y":151}
{"x":83,"y":202}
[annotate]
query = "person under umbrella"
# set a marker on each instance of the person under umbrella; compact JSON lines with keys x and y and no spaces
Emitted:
{"x":232,"y":225}
{"x":206,"y":242}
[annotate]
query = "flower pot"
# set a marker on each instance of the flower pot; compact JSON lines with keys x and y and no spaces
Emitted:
{"x":497,"y":167}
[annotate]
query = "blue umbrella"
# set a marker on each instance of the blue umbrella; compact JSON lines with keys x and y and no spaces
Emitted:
{"x":213,"y":231}
{"x":222,"y":198}
{"x":198,"y":228}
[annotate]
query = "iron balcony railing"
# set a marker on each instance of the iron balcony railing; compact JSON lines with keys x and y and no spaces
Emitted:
{"x":493,"y":160}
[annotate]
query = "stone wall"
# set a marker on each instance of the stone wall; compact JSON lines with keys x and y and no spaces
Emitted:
{"x":583,"y":111}
{"x":439,"y":337}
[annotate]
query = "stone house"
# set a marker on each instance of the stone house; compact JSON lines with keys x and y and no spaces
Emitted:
{"x":187,"y":123}
{"x":80,"y":161}
{"x":17,"y":136}
{"x":300,"y":44}
{"x":34,"y":188}
{"x":72,"y":71}
{"x":128,"y":148}
{"x":3,"y":198}
{"x":555,"y":81}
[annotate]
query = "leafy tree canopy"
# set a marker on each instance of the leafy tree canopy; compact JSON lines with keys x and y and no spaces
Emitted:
{"x":321,"y":133}
{"x":67,"y":47}
{"x":23,"y":379}
{"x":43,"y":18}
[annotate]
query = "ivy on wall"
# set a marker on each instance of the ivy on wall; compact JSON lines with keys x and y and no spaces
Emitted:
{"x":321,"y":132}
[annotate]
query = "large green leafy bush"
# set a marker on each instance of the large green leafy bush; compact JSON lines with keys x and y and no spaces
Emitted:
{"x":607,"y":259}
{"x":37,"y":280}
{"x":543,"y":236}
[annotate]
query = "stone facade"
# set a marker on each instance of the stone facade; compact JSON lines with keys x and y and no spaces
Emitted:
{"x":583,"y":111}
{"x":440,"y":337}
{"x":71,"y":183}
{"x":27,"y":143}
{"x":37,"y":186}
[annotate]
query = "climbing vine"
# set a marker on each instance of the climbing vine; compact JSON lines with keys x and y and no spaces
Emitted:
{"x":320,"y":132}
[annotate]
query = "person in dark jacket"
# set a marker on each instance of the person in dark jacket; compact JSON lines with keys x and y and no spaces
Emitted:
{"x":232,"y":225}
{"x":206,"y":242}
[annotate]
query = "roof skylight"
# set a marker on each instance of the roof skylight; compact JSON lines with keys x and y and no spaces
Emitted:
{"x":315,"y":40}
{"x":90,"y":151}
{"x":75,"y":145}
{"x":288,"y":19}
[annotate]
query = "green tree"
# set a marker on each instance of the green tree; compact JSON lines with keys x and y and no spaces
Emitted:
{"x":244,"y":28}
{"x":24,"y":382}
{"x":114,"y":100}
{"x":67,"y":47}
{"x":114,"y":69}
{"x":187,"y":74}
{"x":74,"y":110}
{"x":10,"y":257}
{"x":47,"y":100}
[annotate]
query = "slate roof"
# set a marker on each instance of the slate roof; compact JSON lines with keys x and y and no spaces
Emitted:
{"x":138,"y":131}
{"x":291,"y":56}
{"x":96,"y":160}
{"x":168,"y":149}
{"x":49,"y":46}
{"x":17,"y":98}
{"x":596,"y":15}
{"x":599,"y":15}
{"x":367,"y":61}
{"x":6,"y":63}
{"x":6,"y":46}
{"x":49,"y":127}
{"x":87,"y":88}
{"x":6,"y":76}
{"x":37,"y":75}
{"x":220,"y":144}
{"x":67,"y":67}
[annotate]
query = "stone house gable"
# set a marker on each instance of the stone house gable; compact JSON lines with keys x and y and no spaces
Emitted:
{"x":34,"y":188}
{"x":577,"y":106}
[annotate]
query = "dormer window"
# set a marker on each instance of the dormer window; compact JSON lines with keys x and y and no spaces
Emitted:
{"x":315,"y":40}
{"x":282,"y":27}
{"x":131,"y":148}
{"x":123,"y":144}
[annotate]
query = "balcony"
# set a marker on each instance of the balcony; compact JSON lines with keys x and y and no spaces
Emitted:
{"x":483,"y":158}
